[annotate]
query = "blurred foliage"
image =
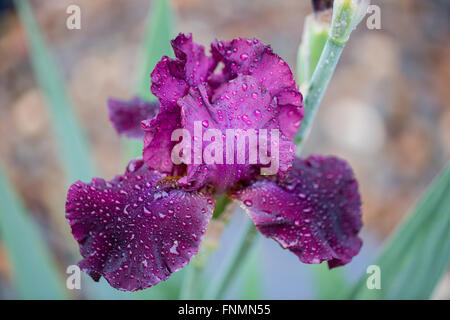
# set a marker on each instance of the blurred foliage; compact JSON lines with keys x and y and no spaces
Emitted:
{"x":35,"y":275}
{"x":252,"y":274}
{"x":419,"y":252}
{"x":74,"y":150}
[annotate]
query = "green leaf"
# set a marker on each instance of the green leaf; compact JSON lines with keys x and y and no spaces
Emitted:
{"x":330,"y":284}
{"x":233,"y":262}
{"x":35,"y":275}
{"x":156,"y":43}
{"x":418,"y":254}
{"x":251,"y":272}
{"x":73,"y":147}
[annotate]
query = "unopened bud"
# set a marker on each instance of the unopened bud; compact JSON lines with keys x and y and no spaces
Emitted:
{"x":347,"y":14}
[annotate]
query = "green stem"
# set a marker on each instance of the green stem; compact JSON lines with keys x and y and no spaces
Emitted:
{"x":188,"y":288}
{"x":319,"y":83}
{"x":221,"y":204}
{"x":224,"y":278}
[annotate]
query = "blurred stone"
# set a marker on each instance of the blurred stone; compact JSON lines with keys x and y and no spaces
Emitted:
{"x":411,"y":149}
{"x":29,"y":114}
{"x":5,"y":268}
{"x":444,"y":132}
{"x":355,"y":125}
{"x":442,"y":292}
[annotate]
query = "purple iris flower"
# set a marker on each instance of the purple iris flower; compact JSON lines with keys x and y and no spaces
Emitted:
{"x":140,"y":227}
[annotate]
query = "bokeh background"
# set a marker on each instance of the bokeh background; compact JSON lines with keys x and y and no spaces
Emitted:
{"x":387,"y":111}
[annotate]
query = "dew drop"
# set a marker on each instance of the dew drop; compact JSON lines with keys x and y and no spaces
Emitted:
{"x":248,"y":202}
{"x":244,"y":56}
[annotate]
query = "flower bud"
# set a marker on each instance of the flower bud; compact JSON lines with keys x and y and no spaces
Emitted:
{"x":347,"y":14}
{"x":315,"y":35}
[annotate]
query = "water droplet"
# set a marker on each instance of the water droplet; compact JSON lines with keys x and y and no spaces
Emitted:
{"x":248,"y":202}
{"x":244,"y":56}
{"x":173,"y":248}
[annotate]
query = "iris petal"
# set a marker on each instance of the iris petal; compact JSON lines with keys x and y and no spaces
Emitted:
{"x":243,"y":105}
{"x":126,"y":116}
{"x":171,"y":80}
{"x":252,"y":57}
{"x":255,"y":90}
{"x":315,"y":212}
{"x":157,"y":141}
{"x":137,"y":229}
{"x":197,"y":66}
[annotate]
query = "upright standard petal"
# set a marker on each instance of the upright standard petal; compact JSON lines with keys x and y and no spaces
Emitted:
{"x":256,"y":90}
{"x":126,"y":116}
{"x":197,"y":65}
{"x":315,"y":212}
{"x":171,"y":80}
{"x":252,"y":57}
{"x":243,"y":108}
{"x":137,"y":229}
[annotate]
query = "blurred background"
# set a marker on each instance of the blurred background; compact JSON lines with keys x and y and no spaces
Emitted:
{"x":387,"y":111}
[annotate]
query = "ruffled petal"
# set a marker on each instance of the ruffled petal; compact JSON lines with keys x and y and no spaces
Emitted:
{"x":255,"y":90}
{"x":315,"y":212}
{"x":243,"y":105}
{"x":137,"y":229}
{"x":197,"y":66}
{"x":126,"y":116}
{"x":157,"y":142}
{"x":252,"y":57}
{"x":168,"y":82}
{"x":171,"y":80}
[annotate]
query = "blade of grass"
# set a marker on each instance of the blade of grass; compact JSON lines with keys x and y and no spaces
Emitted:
{"x":35,"y":275}
{"x":252,"y":289}
{"x":418,"y":254}
{"x":73,"y":147}
{"x":233,"y":263}
{"x":330,"y":284}
{"x":156,"y":43}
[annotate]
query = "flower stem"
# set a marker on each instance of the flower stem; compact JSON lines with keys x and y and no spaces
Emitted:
{"x":319,"y":83}
{"x":224,"y":278}
{"x":347,"y":14}
{"x":221,"y":204}
{"x":188,"y":288}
